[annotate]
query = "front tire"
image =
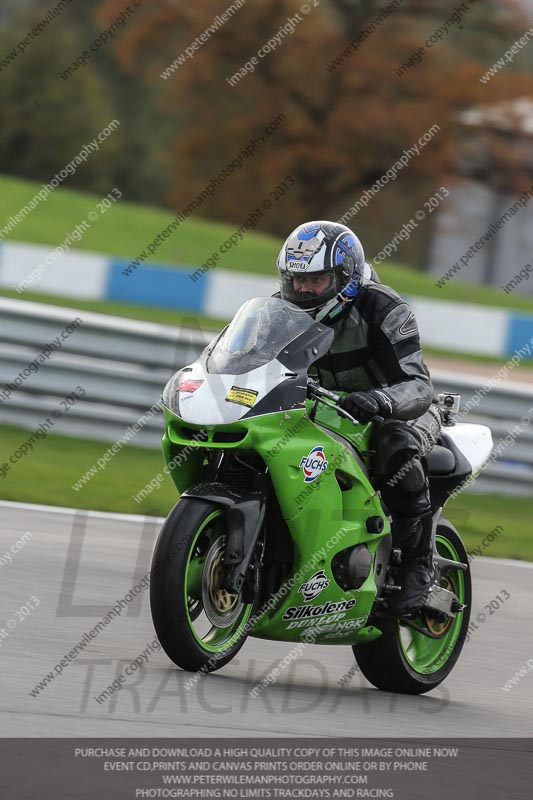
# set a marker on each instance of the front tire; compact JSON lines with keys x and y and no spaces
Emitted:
{"x":199,"y":624}
{"x":404,"y":660}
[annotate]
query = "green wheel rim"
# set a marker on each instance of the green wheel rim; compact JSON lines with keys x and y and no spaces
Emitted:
{"x":214,"y":639}
{"x":424,"y":654}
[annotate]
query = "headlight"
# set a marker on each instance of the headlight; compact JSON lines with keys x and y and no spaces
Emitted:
{"x":180,"y":383}
{"x":170,"y":393}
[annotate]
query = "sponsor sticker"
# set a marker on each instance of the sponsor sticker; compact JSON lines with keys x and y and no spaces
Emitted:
{"x":297,"y":265}
{"x":301,"y":612}
{"x":329,"y":627}
{"x":317,"y":624}
{"x":313,"y":464}
{"x":243,"y":397}
{"x":340,"y":628}
{"x":312,"y":588}
{"x":348,"y":624}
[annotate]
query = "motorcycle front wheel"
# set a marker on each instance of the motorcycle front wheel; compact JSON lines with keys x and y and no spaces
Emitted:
{"x":200,"y":625}
{"x":408,"y":661}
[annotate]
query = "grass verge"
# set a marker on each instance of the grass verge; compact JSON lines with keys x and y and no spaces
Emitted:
{"x":127,"y":229}
{"x":47,"y":473}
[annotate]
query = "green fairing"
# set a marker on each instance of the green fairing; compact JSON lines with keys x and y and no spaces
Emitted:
{"x":265,"y":538}
{"x":282,"y":439}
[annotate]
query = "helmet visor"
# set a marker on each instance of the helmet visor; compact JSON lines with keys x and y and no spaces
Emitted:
{"x":310,"y":290}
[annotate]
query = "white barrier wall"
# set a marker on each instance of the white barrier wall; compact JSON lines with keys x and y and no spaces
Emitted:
{"x":74,"y":273}
{"x":445,"y":325}
{"x":227,"y":291}
{"x":463,"y":327}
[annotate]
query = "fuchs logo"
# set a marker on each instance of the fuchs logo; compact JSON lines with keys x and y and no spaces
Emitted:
{"x":313,"y":464}
{"x":314,"y":585}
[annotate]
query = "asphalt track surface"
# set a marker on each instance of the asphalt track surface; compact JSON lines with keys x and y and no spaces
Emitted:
{"x":77,"y":576}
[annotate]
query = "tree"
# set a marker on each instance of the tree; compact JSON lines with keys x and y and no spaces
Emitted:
{"x":46,"y":120}
{"x":344,"y":126}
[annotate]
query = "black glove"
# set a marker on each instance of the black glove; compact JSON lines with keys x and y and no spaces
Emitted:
{"x":364,"y":406}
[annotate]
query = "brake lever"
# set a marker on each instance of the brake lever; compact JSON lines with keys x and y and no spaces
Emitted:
{"x":320,"y":393}
{"x":377,"y":420}
{"x":340,"y":411}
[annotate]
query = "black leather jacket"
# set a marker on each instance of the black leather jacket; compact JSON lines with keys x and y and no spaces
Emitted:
{"x":377,"y":345}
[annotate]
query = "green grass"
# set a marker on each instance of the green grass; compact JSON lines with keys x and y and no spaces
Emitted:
{"x":476,"y":515}
{"x":46,"y":474}
{"x":408,"y":281}
{"x":126,"y":229}
{"x":34,"y":480}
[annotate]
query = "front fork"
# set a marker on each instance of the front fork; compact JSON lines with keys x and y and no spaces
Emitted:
{"x":243,"y":549}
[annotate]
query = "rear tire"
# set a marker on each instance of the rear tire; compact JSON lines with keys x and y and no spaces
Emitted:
{"x":403,"y":660}
{"x":199,"y":624}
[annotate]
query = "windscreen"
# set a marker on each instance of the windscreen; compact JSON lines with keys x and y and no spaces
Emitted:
{"x":260,"y":329}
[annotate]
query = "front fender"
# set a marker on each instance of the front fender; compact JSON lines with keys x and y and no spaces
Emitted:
{"x":245,"y":515}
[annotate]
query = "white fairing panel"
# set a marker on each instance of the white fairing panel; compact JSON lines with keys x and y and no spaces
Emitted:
{"x":226,"y":398}
{"x":475,"y":441}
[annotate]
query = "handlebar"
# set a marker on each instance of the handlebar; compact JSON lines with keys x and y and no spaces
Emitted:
{"x":319,"y":393}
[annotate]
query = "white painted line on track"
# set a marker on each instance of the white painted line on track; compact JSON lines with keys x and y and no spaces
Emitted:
{"x":61,"y":510}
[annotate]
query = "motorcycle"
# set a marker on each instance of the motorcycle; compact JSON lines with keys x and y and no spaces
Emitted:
{"x":279,"y":533}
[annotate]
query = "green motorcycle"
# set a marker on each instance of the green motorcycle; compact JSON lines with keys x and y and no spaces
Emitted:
{"x":278,"y":532}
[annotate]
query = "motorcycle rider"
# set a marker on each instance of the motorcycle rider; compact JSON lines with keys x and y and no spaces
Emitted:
{"x":376,"y":358}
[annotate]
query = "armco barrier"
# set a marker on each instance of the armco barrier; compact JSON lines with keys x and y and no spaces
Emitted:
{"x":124,"y":364}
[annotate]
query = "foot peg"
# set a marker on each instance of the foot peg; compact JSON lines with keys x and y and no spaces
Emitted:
{"x":440,"y":600}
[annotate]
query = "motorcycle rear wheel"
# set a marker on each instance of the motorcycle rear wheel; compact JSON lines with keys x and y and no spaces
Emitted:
{"x":404,"y":660}
{"x":200,"y":625}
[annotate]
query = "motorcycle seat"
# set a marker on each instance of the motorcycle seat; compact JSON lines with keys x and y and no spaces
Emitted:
{"x":440,"y":461}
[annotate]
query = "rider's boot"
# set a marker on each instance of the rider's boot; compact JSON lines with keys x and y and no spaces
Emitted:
{"x":415,"y":575}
